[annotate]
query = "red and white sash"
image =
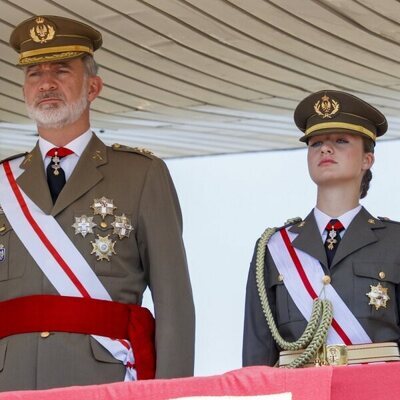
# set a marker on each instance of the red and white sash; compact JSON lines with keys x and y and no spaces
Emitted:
{"x":55,"y":254}
{"x":303,"y":276}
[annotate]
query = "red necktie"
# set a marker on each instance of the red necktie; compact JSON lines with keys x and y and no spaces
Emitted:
{"x":334,"y":227}
{"x":55,"y":174}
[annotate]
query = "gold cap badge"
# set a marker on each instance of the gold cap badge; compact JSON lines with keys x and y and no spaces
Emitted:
{"x":326,"y":108}
{"x":42,"y":32}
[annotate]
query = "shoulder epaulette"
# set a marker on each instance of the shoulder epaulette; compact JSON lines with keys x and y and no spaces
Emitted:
{"x":387,"y":219}
{"x":138,"y":150}
{"x":292,"y":221}
{"x":13,"y":157}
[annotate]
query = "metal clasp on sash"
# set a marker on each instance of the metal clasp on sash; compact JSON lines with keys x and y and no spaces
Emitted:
{"x":332,"y":354}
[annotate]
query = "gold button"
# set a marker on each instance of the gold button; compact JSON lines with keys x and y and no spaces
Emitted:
{"x":280,"y":278}
{"x":116,"y":145}
{"x":103,"y":224}
{"x":382,"y":275}
{"x":326,"y":280}
{"x":2,"y":229}
{"x":45,"y":335}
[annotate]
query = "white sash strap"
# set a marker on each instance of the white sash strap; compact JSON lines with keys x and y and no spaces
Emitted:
{"x":303,"y":276}
{"x":55,"y":254}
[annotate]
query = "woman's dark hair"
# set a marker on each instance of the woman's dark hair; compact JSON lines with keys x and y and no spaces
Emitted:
{"x":369,"y":147}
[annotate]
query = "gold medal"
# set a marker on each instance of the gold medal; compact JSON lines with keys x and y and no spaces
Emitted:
{"x":83,"y":225}
{"x":103,"y":247}
{"x":378,"y":296}
{"x":103,"y":207}
{"x":122,"y":226}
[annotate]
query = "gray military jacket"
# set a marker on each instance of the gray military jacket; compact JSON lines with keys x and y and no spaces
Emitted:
{"x":152,"y":256}
{"x":368,"y":247}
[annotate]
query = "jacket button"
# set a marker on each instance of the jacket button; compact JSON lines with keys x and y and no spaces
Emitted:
{"x":382,"y":275}
{"x":326,"y":280}
{"x":45,"y":335}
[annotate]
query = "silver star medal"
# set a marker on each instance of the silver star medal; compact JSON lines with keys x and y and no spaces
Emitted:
{"x":2,"y":252}
{"x":122,"y":226}
{"x":103,"y":247}
{"x":103,"y":207}
{"x":83,"y":225}
{"x":378,"y":296}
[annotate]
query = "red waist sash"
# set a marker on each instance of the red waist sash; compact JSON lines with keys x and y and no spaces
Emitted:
{"x":87,"y":316}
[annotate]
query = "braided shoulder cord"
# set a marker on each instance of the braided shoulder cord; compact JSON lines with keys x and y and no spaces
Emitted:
{"x":316,"y":330}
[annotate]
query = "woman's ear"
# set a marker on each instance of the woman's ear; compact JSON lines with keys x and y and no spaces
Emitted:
{"x":368,"y":161}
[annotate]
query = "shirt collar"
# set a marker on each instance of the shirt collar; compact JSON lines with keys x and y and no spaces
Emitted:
{"x":323,"y":219}
{"x":78,"y":145}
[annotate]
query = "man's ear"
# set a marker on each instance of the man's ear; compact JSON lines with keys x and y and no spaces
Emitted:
{"x":95,"y":86}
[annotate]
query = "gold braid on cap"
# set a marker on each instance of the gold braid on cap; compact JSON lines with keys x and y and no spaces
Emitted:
{"x":341,"y":125}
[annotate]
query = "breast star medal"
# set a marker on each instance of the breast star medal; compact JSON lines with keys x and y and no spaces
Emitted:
{"x":83,"y":225}
{"x":122,"y":226}
{"x":378,"y":296}
{"x":103,"y":247}
{"x":103,"y":207}
{"x":2,"y":252}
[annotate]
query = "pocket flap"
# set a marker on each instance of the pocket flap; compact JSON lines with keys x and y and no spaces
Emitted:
{"x":388,"y":272}
{"x":102,"y":354}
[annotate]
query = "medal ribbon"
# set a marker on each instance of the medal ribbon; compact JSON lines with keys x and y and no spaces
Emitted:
{"x":58,"y":258}
{"x":303,"y":279}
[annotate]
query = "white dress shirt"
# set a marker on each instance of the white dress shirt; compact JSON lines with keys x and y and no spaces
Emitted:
{"x":67,"y":163}
{"x":323,"y":219}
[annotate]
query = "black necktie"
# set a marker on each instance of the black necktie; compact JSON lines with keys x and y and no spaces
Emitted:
{"x":334,"y":227}
{"x":55,"y":174}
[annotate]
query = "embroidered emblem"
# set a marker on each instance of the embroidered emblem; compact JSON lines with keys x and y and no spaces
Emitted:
{"x":326,"y":108}
{"x":97,"y":155}
{"x":122,"y":226}
{"x":42,"y":33}
{"x":83,"y":225}
{"x":2,"y":252}
{"x":378,"y":296}
{"x":103,"y":247}
{"x":103,"y":207}
{"x":28,"y":159}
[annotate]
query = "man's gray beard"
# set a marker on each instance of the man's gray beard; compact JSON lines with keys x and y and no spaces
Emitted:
{"x":57,"y":116}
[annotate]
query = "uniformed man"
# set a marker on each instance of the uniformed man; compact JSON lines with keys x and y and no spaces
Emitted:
{"x":84,"y":230}
{"x":337,"y":271}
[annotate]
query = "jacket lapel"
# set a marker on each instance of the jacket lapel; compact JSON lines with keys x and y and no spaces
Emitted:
{"x":85,"y":175}
{"x":360,"y":233}
{"x":33,"y":180}
{"x":309,"y":238}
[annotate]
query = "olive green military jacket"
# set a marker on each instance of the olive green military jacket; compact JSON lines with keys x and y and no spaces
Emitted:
{"x":152,"y":256}
{"x":368,"y":247}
